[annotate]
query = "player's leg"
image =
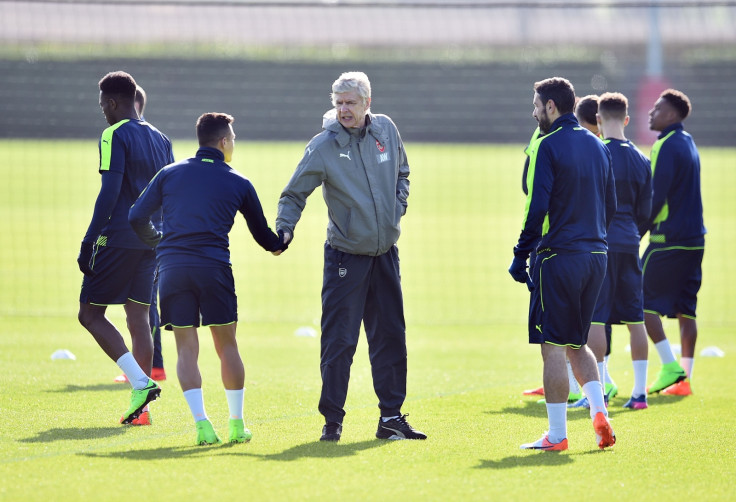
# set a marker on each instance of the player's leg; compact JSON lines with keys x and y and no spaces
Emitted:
{"x":233,"y":378}
{"x":386,"y":334}
{"x":136,"y":315}
{"x":671,"y":372}
{"x":688,"y":337}
{"x":190,"y":381}
{"x":344,"y":288}
{"x":662,"y":282}
{"x":157,"y":371}
{"x":609,"y":385}
{"x":94,"y":320}
{"x":639,"y":359}
{"x":597,"y":345}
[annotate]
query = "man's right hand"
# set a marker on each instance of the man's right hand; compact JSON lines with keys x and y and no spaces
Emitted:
{"x":284,"y":237}
{"x":85,"y":257}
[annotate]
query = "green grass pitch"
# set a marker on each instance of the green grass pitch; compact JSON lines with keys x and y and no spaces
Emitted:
{"x":468,"y":356}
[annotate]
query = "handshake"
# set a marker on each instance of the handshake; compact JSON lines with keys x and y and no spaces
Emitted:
{"x":284,"y":239}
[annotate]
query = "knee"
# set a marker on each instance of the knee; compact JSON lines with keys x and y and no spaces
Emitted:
{"x":86,"y":317}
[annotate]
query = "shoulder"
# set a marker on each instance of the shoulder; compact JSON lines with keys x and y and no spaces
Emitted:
{"x":118,"y":129}
{"x":325,"y":139}
{"x":381,"y":121}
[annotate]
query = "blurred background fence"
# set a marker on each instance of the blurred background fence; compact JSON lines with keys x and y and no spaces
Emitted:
{"x":445,"y":71}
{"x":456,"y":77}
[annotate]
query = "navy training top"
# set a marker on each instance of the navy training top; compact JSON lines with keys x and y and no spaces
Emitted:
{"x":131,"y":153}
{"x":572,"y":195}
{"x":200,"y":197}
{"x":633,"y":195}
{"x":677,"y":205}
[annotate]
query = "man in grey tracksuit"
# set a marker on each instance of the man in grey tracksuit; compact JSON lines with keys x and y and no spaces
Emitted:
{"x":359,"y":160}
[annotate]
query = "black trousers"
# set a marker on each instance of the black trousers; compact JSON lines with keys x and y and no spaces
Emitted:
{"x":359,"y":288}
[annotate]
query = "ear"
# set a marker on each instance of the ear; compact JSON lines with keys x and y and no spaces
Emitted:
{"x":626,"y":121}
{"x":550,"y":106}
{"x":598,"y":119}
{"x":368,"y":103}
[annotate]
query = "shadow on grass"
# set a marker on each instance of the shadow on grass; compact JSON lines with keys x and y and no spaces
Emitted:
{"x":170,"y":452}
{"x":74,"y":433}
{"x":306,"y":450}
{"x":535,"y":459}
{"x":89,"y":388}
{"x":317,"y":449}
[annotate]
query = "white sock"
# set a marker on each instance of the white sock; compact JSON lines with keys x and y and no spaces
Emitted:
{"x":608,"y":374}
{"x":640,"y":377}
{"x":386,"y":419}
{"x":594,"y":392}
{"x":602,"y":374}
{"x":235,"y":402}
{"x":687,"y":364}
{"x":137,"y":378}
{"x":574,"y":387}
{"x":196,"y":404}
{"x":557,"y":416}
{"x":665,"y":351}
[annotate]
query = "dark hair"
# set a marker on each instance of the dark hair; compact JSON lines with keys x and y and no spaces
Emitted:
{"x":213,"y":126}
{"x":120,"y":85}
{"x":586,"y":108}
{"x":559,"y":90}
{"x":613,"y":105}
{"x":140,"y":98}
{"x":679,"y":102}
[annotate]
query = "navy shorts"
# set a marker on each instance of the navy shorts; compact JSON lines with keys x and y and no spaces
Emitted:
{"x":565,"y":292}
{"x":621,"y":300}
{"x":672,"y":277}
{"x":190,"y":296}
{"x":121,"y":274}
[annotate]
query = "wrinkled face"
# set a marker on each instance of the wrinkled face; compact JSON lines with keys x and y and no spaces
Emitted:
{"x":108,"y":105}
{"x":351,"y":109}
{"x":662,"y":115}
{"x":229,"y":144}
{"x":540,"y":113}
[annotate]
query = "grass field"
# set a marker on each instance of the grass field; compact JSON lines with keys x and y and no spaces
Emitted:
{"x":468,"y":357}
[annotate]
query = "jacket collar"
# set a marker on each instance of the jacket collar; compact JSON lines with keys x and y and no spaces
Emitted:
{"x":669,"y":129}
{"x":342,"y":136}
{"x":566,"y":119}
{"x":211,"y":153}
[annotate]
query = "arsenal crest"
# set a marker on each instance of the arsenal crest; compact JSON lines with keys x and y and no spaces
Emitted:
{"x":381,"y":148}
{"x":342,"y":272}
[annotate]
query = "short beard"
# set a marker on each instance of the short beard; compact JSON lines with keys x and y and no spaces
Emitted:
{"x":544,"y":123}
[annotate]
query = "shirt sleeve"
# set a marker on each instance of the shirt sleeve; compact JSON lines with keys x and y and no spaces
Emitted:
{"x":662,"y":176}
{"x":611,"y":202}
{"x":539,"y":180}
{"x":643,"y":208}
{"x":139,"y":215}
{"x":309,"y":174}
{"x":253,"y":213}
{"x":104,"y":205}
{"x":402,"y":185}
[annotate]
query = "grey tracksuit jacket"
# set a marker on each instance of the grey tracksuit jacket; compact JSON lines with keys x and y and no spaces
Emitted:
{"x":365,"y":184}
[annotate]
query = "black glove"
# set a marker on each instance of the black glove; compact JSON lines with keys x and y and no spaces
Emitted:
{"x":519,"y":273}
{"x":153,"y":240}
{"x":283,"y":246}
{"x":85,"y":257}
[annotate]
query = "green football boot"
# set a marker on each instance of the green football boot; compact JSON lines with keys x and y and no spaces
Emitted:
{"x":139,"y":399}
{"x":238,"y":432}
{"x":669,"y":374}
{"x":206,"y":434}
